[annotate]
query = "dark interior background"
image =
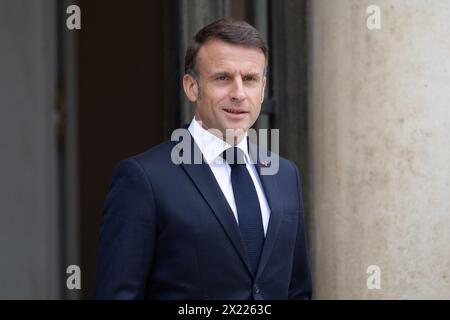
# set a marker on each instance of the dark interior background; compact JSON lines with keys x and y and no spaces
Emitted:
{"x":120,"y":103}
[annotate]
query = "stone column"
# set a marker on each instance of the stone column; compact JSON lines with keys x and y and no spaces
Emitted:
{"x":30,"y":242}
{"x":379,"y":125}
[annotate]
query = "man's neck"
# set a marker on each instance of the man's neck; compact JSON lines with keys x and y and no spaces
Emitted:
{"x":231,"y":136}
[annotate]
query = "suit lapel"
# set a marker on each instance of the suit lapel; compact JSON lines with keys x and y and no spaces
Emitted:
{"x":271,"y":190}
{"x":206,"y":183}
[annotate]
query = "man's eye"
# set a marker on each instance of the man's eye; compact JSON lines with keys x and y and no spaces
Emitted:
{"x":250,"y":79}
{"x":221,"y":78}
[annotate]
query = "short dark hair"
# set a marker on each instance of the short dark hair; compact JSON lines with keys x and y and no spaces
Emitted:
{"x":227,"y":30}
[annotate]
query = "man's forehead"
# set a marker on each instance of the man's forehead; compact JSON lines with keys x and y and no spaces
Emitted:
{"x":219,"y":54}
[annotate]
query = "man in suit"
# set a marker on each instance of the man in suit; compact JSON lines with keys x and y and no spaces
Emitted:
{"x":218,"y":228}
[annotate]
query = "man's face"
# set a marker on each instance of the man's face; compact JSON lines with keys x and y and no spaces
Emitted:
{"x":231,"y":85}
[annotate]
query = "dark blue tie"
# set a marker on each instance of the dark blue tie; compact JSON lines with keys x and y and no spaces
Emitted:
{"x":247,"y":205}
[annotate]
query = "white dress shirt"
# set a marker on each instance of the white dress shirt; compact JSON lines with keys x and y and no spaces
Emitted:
{"x":212,"y":148}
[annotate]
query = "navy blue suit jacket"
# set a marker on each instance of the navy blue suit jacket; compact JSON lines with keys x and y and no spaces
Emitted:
{"x":168,"y":232}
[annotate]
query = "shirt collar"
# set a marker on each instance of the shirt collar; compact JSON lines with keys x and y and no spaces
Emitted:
{"x":212,"y":146}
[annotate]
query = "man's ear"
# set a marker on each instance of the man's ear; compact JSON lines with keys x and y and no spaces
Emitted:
{"x":190,"y":86}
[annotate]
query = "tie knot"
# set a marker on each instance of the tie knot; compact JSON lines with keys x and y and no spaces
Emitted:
{"x":234,"y":156}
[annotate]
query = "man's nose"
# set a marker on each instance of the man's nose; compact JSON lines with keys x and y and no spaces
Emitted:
{"x":238,"y":90}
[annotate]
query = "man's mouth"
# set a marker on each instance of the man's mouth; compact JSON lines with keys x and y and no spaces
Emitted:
{"x":234,"y":111}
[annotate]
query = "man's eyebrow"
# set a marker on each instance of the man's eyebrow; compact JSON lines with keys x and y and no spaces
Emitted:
{"x":255,"y":75}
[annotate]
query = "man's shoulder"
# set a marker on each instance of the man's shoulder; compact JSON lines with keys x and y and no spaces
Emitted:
{"x":283,"y":161}
{"x":287,"y":167}
{"x":155,"y":156}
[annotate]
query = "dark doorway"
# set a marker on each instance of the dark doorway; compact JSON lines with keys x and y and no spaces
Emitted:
{"x":120,"y":104}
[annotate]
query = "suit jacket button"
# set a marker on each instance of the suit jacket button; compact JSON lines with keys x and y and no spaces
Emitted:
{"x":256,"y":289}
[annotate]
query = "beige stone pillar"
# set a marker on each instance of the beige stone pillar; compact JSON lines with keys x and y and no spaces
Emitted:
{"x":380,"y":149}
